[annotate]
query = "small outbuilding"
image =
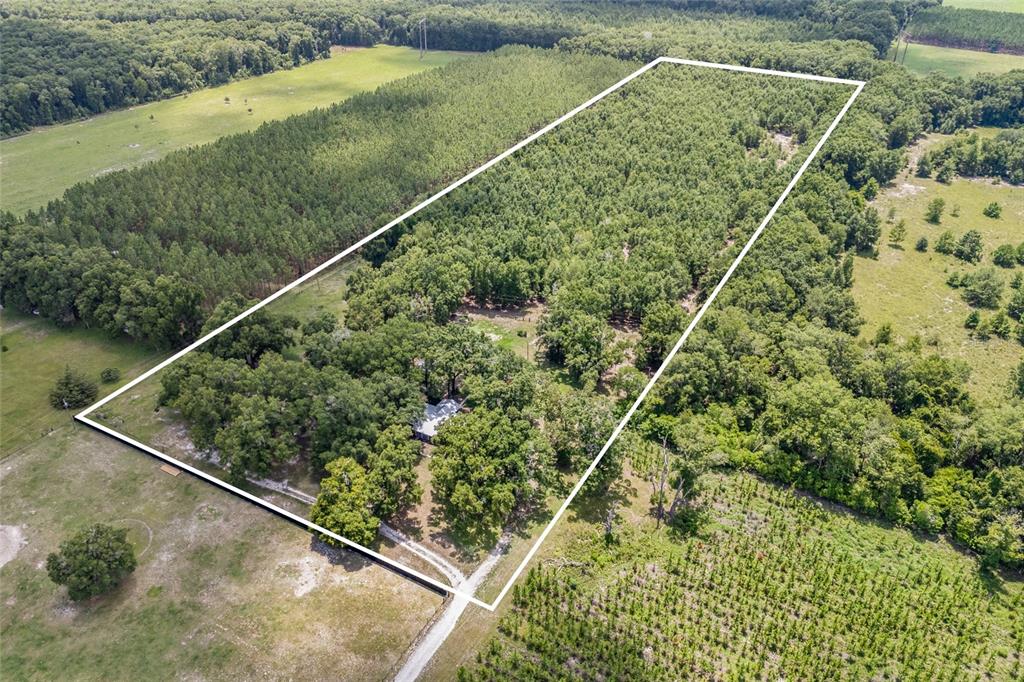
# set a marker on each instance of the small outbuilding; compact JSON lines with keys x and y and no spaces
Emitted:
{"x":433,"y":416}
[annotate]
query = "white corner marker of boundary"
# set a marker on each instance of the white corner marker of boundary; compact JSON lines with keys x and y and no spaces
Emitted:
{"x":83,"y":416}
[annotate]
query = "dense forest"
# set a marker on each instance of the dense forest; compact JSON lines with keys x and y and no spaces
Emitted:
{"x":621,"y":213}
{"x":184,"y":237}
{"x":149,"y":253}
{"x":971,"y":29}
{"x":69,"y":59}
{"x":180,"y":226}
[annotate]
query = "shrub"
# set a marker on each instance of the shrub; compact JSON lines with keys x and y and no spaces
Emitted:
{"x":1001,"y":325}
{"x":927,"y":517}
{"x":1015,"y":308}
{"x":973,"y":318}
{"x":898,"y":232}
{"x":110,"y":375}
{"x":72,"y":390}
{"x":93,"y":561}
{"x":993,"y":210}
{"x":922,"y":244}
{"x":968,"y":248}
{"x":1005,"y":256}
{"x":946,"y":243}
{"x":933,"y":213}
{"x":983,"y":288}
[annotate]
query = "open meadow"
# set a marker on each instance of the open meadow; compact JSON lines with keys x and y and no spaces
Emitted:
{"x":952,"y":61}
{"x":991,"y":5}
{"x":222,"y":589}
{"x":38,"y":166}
{"x":907,"y":288}
{"x":35,"y":352}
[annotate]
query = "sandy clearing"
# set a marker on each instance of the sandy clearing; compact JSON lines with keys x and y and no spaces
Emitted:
{"x":12,"y":539}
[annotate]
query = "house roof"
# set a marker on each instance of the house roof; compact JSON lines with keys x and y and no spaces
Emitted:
{"x":435,"y":415}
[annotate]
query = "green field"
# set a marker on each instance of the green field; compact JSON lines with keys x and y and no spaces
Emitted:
{"x":991,"y":5}
{"x":40,"y":165}
{"x":955,"y":62}
{"x":35,"y":353}
{"x":908,"y":289}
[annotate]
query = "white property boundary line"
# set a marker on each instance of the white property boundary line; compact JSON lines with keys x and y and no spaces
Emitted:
{"x":83,"y":416}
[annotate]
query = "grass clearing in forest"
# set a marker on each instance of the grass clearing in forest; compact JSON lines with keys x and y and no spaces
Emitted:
{"x":35,"y":352}
{"x":990,"y":5}
{"x":40,"y":165}
{"x":956,"y":62}
{"x":908,"y":289}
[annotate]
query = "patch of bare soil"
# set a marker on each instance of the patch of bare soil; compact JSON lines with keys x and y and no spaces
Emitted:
{"x":906,"y":189}
{"x":787,"y":144}
{"x":341,"y":49}
{"x":531,"y":312}
{"x":12,"y":539}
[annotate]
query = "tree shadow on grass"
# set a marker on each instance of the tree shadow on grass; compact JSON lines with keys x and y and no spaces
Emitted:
{"x":593,"y":507}
{"x":349,"y":559}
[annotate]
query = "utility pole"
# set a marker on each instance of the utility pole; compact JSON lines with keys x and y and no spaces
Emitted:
{"x":423,"y":36}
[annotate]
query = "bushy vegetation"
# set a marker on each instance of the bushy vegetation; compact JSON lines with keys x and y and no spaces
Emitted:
{"x":773,"y":587}
{"x":976,"y":29}
{"x":968,"y":154}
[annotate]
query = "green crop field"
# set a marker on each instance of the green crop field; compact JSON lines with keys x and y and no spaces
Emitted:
{"x":908,"y":289}
{"x":991,"y":5}
{"x":955,"y":62}
{"x":39,"y":166}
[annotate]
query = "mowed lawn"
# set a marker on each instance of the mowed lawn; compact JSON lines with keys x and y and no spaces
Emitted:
{"x":908,"y":289}
{"x":42,"y":164}
{"x":35,"y":353}
{"x":955,"y":62}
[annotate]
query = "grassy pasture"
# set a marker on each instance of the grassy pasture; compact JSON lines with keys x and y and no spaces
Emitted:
{"x":40,"y":165}
{"x":955,"y":62}
{"x":991,"y":5}
{"x":908,"y":289}
{"x":36,"y":352}
{"x":223,"y":589}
